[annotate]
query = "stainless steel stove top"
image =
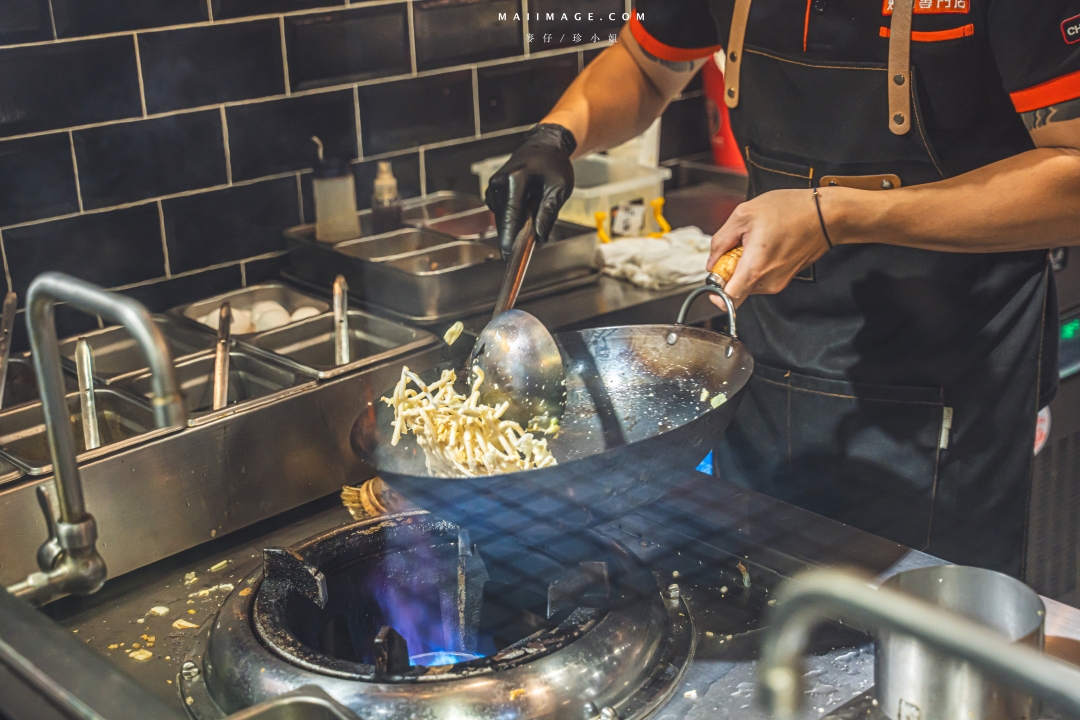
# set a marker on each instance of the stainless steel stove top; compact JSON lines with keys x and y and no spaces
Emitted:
{"x":725,"y":549}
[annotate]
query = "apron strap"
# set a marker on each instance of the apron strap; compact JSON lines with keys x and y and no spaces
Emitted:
{"x":734,"y":52}
{"x":899,"y":67}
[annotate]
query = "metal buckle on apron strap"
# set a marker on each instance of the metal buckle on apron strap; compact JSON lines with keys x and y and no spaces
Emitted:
{"x":861,"y":182}
{"x":899,"y":72}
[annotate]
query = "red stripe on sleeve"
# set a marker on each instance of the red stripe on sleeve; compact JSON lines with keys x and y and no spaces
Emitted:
{"x":666,"y":52}
{"x":1051,"y":92}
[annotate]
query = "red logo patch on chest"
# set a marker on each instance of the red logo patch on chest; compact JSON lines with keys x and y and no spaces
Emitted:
{"x":1070,"y":30}
{"x":932,"y":7}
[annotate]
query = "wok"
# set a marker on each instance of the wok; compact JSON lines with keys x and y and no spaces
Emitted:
{"x":634,"y":424}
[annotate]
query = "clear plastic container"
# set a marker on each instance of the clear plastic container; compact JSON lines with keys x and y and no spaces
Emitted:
{"x":601,"y":184}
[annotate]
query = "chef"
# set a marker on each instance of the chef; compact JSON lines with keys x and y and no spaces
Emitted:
{"x":910,"y":163}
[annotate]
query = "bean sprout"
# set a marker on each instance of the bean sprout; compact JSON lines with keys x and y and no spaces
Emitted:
{"x":459,"y":436}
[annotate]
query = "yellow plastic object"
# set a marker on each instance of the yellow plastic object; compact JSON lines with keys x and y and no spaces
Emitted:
{"x":661,"y":221}
{"x":601,"y":221}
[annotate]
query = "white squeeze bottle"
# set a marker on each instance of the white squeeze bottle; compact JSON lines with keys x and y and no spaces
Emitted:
{"x":335,"y":200}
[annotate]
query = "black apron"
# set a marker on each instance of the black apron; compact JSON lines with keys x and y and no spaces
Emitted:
{"x":896,"y":389}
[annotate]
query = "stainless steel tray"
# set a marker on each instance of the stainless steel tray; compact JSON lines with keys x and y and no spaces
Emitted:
{"x":21,"y":385}
{"x":245,"y":299}
{"x":122,"y":420}
{"x":393,"y":244}
{"x":421,"y":212}
{"x":9,"y":472}
{"x":476,"y":224}
{"x":467,"y":277}
{"x":438,"y":323}
{"x":253,"y":381}
{"x":116,"y":355}
{"x":308,"y":346}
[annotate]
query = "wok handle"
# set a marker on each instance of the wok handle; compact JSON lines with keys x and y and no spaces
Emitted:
{"x":711,"y":290}
{"x":725,"y":267}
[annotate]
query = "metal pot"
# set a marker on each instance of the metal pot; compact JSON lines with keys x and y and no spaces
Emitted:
{"x":915,"y":682}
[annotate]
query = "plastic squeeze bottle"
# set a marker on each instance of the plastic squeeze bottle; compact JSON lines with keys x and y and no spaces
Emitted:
{"x":335,"y":200}
{"x":385,"y":201}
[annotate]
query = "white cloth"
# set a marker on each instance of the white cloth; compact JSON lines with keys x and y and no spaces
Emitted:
{"x":678,"y":258}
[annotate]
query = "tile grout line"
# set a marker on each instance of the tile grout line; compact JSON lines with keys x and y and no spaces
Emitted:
{"x":243,"y":273}
{"x":305,"y":93}
{"x":52,"y":20}
{"x":197,"y":271}
{"x":210,"y":10}
{"x":356,"y":113}
{"x":525,"y":27}
{"x":75,"y":168}
{"x":147,"y":201}
{"x":419,"y":149}
{"x":201,"y":23}
{"x":138,"y":69}
{"x":225,"y":143}
{"x":164,"y":244}
{"x":300,"y":197}
{"x":580,"y":61}
{"x":284,"y":55}
{"x":412,"y":36}
{"x":476,"y":100}
{"x":3,"y":255}
{"x":423,"y":172}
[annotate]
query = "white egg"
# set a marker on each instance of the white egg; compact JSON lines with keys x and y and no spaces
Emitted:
{"x":271,"y":318}
{"x":304,"y":312}
{"x":264,"y":306}
{"x":241,"y":322}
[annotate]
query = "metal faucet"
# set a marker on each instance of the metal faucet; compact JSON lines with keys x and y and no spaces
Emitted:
{"x":810,"y":599}
{"x":69,"y":560}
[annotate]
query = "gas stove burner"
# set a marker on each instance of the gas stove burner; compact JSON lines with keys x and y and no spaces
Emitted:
{"x":401,"y":616}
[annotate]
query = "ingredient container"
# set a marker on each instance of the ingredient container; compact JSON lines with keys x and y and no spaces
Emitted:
{"x":122,"y":421}
{"x":915,"y":682}
{"x":601,"y":184}
{"x":117,"y":355}
{"x":442,"y":277}
{"x":253,"y":381}
{"x":243,"y":302}
{"x":21,"y":386}
{"x":308,"y":346}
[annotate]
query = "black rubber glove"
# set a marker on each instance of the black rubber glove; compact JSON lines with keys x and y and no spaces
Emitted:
{"x":535,"y":182}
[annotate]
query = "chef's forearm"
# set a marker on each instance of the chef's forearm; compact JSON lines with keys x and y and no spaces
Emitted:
{"x":1029,"y":201}
{"x":615,"y":98}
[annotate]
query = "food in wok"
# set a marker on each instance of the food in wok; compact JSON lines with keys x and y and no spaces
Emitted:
{"x":460,"y":436}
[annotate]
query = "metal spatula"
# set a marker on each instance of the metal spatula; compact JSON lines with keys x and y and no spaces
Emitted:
{"x":519,"y":358}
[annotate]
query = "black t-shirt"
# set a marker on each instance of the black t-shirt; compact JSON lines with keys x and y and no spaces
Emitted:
{"x":979,"y":64}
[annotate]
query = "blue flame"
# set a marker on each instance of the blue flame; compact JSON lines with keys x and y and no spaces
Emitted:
{"x":436,"y":659}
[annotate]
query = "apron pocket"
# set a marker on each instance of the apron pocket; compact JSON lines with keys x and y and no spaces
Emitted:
{"x":768,"y":173}
{"x":866,"y":455}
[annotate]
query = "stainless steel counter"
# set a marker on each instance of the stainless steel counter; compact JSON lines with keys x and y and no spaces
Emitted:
{"x":693,"y":537}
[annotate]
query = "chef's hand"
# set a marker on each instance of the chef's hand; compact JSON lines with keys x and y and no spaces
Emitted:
{"x":534,"y":182}
{"x":780,"y":234}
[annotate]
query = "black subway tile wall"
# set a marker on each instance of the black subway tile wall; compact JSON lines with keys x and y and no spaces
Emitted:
{"x":160,"y":147}
{"x":331,"y":48}
{"x":37,"y":179}
{"x":424,"y":110}
{"x":118,"y":247}
{"x":454,"y":32}
{"x":45,"y":87}
{"x":228,"y":225}
{"x":272,"y":137}
{"x":23,"y":21}
{"x":522,"y":93}
{"x":214,"y":64}
{"x":76,"y":18}
{"x":133,"y":161}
